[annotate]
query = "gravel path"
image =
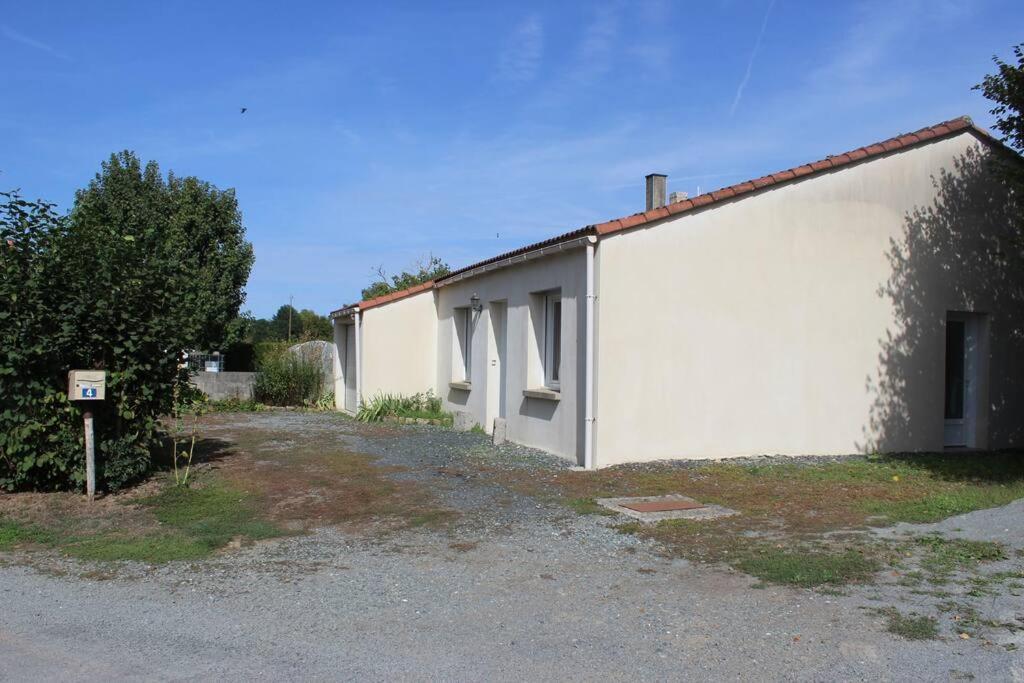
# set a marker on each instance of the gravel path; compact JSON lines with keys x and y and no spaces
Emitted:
{"x":543,"y":595}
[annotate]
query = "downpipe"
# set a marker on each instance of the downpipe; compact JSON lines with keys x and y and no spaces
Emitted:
{"x":588,"y":393}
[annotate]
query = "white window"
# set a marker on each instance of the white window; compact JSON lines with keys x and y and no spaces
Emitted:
{"x":464,"y":342}
{"x":552,"y":348}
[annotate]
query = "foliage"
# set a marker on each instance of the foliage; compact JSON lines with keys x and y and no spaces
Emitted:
{"x":1005,"y":89}
{"x":288,"y":379}
{"x":425,"y":405}
{"x":910,"y":626}
{"x":306,"y":325}
{"x":808,"y":568}
{"x":194,"y":522}
{"x":143,"y":268}
{"x":39,"y":429}
{"x":325,"y":402}
{"x":423,"y":271}
{"x":186,"y":428}
{"x":314,"y":326}
{"x":235,"y":405}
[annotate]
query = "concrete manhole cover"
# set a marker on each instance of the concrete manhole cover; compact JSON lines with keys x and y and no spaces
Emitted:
{"x":657,"y":508}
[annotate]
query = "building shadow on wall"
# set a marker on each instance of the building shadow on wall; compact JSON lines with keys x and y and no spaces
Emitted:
{"x":962,"y":253}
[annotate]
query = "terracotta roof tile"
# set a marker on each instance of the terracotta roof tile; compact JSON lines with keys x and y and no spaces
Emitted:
{"x":801,"y":171}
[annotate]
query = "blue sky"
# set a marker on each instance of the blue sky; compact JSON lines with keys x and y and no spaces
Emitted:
{"x":378,"y":133}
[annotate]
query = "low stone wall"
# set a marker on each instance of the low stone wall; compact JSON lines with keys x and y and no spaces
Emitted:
{"x":224,"y":385}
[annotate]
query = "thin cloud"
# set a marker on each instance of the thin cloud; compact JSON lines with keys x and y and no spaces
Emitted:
{"x":520,"y":60}
{"x":753,"y":56}
{"x":11,"y":34}
{"x":595,"y":50}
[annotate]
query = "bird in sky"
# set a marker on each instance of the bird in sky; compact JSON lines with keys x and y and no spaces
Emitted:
{"x":245,"y":109}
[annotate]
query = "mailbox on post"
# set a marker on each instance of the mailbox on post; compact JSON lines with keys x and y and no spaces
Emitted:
{"x":88,"y":385}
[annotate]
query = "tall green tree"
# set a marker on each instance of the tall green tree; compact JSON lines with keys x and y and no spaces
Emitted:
{"x":315,"y":326}
{"x":143,"y":268}
{"x":1005,"y":89}
{"x":286,"y":325}
{"x":425,"y":270}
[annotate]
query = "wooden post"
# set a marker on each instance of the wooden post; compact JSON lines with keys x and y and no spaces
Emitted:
{"x":90,"y":457}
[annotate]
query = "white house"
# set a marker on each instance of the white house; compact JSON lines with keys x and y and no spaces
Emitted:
{"x":866,"y":301}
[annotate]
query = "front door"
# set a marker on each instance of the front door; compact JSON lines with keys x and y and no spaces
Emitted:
{"x":351,"y":400}
{"x":496,"y":342}
{"x":962,"y":361}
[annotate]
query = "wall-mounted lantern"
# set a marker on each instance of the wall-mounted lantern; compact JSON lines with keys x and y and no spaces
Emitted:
{"x":474,"y":303}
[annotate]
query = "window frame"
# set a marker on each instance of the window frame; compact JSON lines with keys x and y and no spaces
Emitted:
{"x":551,"y":350}
{"x":464,"y":341}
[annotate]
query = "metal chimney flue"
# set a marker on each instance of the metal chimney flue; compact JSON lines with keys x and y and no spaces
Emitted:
{"x":656,"y":188}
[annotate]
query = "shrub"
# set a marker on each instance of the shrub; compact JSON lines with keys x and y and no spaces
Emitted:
{"x":288,"y":379}
{"x":142,"y":268}
{"x":425,"y":405}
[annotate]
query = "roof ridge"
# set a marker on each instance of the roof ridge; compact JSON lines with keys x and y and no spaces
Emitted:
{"x":831,"y":161}
{"x":747,"y":187}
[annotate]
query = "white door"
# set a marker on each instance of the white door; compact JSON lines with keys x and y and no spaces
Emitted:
{"x":962,"y":363}
{"x":351,"y":401}
{"x":497,"y":314}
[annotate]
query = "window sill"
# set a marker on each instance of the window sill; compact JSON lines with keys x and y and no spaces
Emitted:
{"x":461,"y":386}
{"x":543,"y":393}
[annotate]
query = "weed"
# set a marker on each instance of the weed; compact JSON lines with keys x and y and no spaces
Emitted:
{"x":911,"y":626}
{"x":285,"y":378}
{"x":432,"y":519}
{"x":808,"y":568}
{"x":943,"y":556}
{"x":13,"y":534}
{"x":587,"y":506}
{"x":194,"y":523}
{"x":154,"y":549}
{"x":423,"y":405}
{"x":236,"y":405}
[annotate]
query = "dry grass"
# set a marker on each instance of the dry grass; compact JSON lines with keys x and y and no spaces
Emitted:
{"x":258,"y":486}
{"x":789,"y":512}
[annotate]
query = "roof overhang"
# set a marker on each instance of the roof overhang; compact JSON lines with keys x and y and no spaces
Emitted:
{"x":515,"y":258}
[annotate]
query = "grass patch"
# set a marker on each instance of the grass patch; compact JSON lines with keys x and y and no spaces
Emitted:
{"x":13,"y":534}
{"x":808,"y":569}
{"x":911,"y":626}
{"x":154,"y":549}
{"x":786,"y":504}
{"x":177,"y":523}
{"x":933,"y":507}
{"x":587,"y":506}
{"x":944,"y":556}
{"x":235,"y":405}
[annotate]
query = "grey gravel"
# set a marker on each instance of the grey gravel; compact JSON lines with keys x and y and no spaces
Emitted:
{"x":544,"y":595}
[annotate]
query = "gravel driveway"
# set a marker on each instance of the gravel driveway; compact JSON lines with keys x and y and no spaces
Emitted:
{"x":517,"y":590}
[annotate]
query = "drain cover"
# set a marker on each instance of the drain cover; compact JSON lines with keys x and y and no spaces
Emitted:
{"x":654,"y":509}
{"x":662,"y":505}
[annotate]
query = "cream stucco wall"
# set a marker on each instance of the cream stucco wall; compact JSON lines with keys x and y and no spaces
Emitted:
{"x":765,"y":326}
{"x":554,"y":426}
{"x":399,"y":346}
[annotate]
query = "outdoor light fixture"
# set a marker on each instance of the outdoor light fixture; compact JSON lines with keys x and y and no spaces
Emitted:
{"x":474,"y":303}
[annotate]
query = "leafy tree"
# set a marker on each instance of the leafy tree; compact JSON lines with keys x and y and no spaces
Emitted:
{"x":37,"y":424}
{"x":143,"y":268}
{"x":315,"y":326}
{"x":279,"y":324}
{"x":423,"y":271}
{"x":1005,"y":89}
